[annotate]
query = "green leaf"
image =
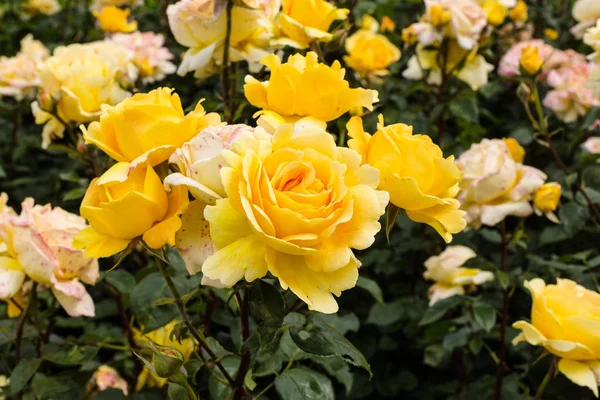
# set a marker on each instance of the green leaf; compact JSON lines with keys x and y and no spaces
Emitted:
{"x":110,"y":394}
{"x":485,"y":315}
{"x":217,"y":389}
{"x":343,"y":324}
{"x":122,"y":280}
{"x":317,"y":337}
{"x":267,"y":303}
{"x":372,"y":287}
{"x":390,"y":219}
{"x":46,"y":387}
{"x":503,"y":278}
{"x":435,"y":355}
{"x":143,"y":295}
{"x":455,"y":339}
{"x":75,"y":356}
{"x":176,"y":392}
{"x":573,"y":218}
{"x":304,"y":384}
{"x":74,"y":194}
{"x":163,"y":301}
{"x":338,"y":369}
{"x":439,"y":309}
{"x":464,"y":107}
{"x":23,"y":373}
{"x":386,"y":313}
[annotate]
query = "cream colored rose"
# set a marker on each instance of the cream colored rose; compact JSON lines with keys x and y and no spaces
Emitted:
{"x":201,"y":25}
{"x":32,"y":8}
{"x":105,"y":378}
{"x":425,"y":64}
{"x":12,"y":274}
{"x":81,"y":78}
{"x":494,"y":185}
{"x":19,"y":75}
{"x":42,"y":241}
{"x":451,"y":279}
{"x":586,"y":13}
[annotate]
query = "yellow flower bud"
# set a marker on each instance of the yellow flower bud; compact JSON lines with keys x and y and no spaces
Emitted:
{"x":495,"y":12}
{"x":387,"y":24}
{"x":135,"y":195}
{"x":551,"y":34}
{"x":114,"y":19}
{"x":546,"y":197}
{"x":531,"y":60}
{"x":408,"y":35}
{"x":519,"y":12}
{"x":517,"y":152}
{"x":438,"y":15}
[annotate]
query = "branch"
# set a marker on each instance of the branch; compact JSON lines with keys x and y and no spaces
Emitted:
{"x":225,"y":82}
{"x":245,"y":361}
{"x":21,"y":324}
{"x":162,"y":266}
{"x":504,"y":320}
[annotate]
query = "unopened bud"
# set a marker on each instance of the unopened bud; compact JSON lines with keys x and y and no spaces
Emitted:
{"x":167,"y":360}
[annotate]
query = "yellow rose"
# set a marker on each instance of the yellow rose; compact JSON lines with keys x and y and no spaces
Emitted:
{"x":551,"y":34}
{"x":35,"y":7}
{"x":304,"y":87}
{"x":438,"y":15}
{"x":451,"y":279}
{"x":495,"y":12}
{"x":564,"y":320}
{"x":519,"y":12}
{"x":370,"y":53}
{"x":531,"y":60}
{"x":114,"y":19}
{"x":296,"y":208}
{"x":135,"y":130}
{"x":136,"y":196}
{"x":387,"y":24}
{"x":414,"y":172}
{"x":81,"y":78}
{"x":161,"y":336}
{"x":304,"y":22}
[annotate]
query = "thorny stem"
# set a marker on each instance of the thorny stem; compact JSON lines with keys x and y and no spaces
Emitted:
{"x":504,"y":320}
{"x":225,"y":82}
{"x":162,"y":266}
{"x":544,"y":384}
{"x":440,"y":99}
{"x":548,"y":138}
{"x":245,"y":361}
{"x":21,"y":324}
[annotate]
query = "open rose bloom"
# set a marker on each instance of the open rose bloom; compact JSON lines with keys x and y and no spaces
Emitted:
{"x":42,"y":239}
{"x":494,"y":184}
{"x":450,"y":277}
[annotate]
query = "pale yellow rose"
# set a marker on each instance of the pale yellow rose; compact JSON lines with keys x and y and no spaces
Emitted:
{"x":32,"y":8}
{"x":425,"y":64}
{"x":4,"y":382}
{"x":565,"y":320}
{"x":296,"y":208}
{"x":135,"y":195}
{"x":97,"y":5}
{"x":201,"y":25}
{"x":80,"y":78}
{"x":586,"y":13}
{"x":161,"y":336}
{"x":451,"y":279}
{"x":42,"y":239}
{"x":304,"y":87}
{"x":414,"y":172}
{"x":370,"y":53}
{"x":19,"y":75}
{"x":105,"y":378}
{"x":304,"y":22}
{"x":592,"y":39}
{"x":494,"y":185}
{"x":114,"y":19}
{"x":495,"y":11}
{"x":135,"y":129}
{"x":12,"y":274}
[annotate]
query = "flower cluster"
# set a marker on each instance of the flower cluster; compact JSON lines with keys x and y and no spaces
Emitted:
{"x":19,"y":75}
{"x":37,"y":245}
{"x":495,"y":182}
